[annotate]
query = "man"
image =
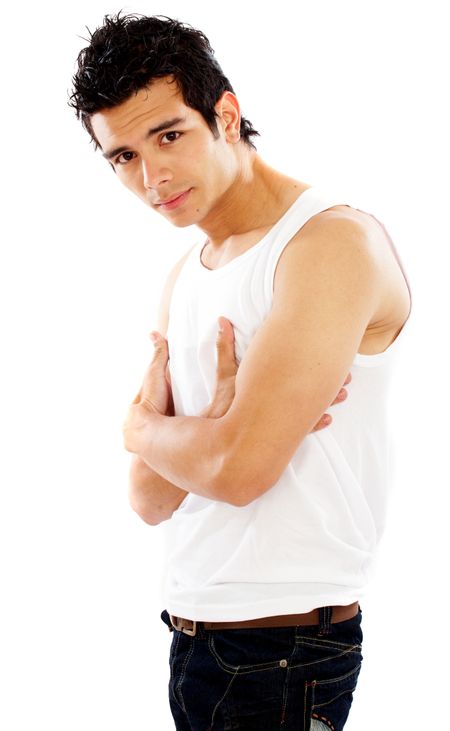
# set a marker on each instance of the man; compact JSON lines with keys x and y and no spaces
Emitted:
{"x":273,"y":520}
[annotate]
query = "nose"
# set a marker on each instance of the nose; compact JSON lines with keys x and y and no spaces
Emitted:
{"x":154,"y":174}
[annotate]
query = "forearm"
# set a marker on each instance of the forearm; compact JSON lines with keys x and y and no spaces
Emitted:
{"x":151,"y":496}
{"x":187,"y":451}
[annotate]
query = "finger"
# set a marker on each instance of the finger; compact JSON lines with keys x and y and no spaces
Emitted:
{"x":226,"y":330}
{"x":226,"y":357}
{"x":160,"y":347}
{"x":168,"y":376}
{"x":138,"y":397}
{"x":323,"y":422}
{"x":341,"y":396}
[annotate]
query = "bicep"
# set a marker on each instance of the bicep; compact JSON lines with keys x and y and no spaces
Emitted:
{"x":327,"y":293}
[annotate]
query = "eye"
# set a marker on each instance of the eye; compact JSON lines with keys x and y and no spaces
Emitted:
{"x":124,"y":157}
{"x":170,"y":134}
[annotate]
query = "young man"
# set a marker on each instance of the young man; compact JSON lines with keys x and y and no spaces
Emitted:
{"x":273,"y":520}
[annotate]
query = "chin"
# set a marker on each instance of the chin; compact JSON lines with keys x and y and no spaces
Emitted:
{"x":181,"y":224}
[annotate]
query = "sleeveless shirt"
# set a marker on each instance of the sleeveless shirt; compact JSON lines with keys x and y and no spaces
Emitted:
{"x":311,"y":539}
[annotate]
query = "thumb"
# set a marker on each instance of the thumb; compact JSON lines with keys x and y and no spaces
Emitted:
{"x":160,"y":345}
{"x":225,"y":330}
{"x":226,"y":361}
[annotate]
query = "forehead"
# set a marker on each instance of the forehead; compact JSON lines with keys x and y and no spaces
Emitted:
{"x":160,"y":101}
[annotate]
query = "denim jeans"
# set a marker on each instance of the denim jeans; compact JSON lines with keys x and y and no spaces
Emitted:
{"x":252,"y":679}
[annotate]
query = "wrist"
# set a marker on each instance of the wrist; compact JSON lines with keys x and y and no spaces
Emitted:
{"x":210,"y":412}
{"x":136,"y":426}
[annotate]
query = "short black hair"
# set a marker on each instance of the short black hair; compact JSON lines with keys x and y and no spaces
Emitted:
{"x":128,"y":51}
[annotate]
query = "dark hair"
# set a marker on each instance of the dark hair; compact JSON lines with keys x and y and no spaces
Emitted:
{"x":128,"y":51}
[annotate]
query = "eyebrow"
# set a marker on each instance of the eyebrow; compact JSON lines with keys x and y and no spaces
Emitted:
{"x":151,"y":132}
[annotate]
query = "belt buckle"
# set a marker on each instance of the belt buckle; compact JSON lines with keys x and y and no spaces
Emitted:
{"x":175,"y":621}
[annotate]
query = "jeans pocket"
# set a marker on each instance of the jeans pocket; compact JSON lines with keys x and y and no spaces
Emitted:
{"x":344,"y":636}
{"x":319,"y":656}
{"x":332,"y":699}
{"x":247,"y":650}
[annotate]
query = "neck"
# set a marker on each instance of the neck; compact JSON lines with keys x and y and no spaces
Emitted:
{"x":255,"y":199}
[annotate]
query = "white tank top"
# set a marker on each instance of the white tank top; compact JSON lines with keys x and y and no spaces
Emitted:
{"x":311,"y":539}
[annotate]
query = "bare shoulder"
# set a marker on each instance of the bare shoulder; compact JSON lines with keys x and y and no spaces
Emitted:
{"x":395,"y":305}
{"x":166,"y":296}
{"x":331,"y":240}
{"x":363,"y":242}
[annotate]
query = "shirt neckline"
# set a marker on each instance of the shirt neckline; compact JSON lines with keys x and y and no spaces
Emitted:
{"x":240,"y":257}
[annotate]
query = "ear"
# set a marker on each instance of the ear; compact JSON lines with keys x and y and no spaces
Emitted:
{"x":229,"y":113}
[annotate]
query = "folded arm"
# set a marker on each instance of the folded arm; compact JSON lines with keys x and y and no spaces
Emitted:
{"x":327,"y":291}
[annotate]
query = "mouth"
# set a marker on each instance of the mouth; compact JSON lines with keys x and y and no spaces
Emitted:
{"x":174,"y":202}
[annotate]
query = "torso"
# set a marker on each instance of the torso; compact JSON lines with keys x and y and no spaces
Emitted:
{"x":396,"y":303}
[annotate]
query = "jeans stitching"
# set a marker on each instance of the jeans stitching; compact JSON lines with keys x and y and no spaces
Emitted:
{"x":240,"y":669}
{"x":323,"y":659}
{"x":330,"y":700}
{"x":340,"y":677}
{"x":322,"y":720}
{"x":222,"y":699}
{"x":175,"y":642}
{"x":285,"y":695}
{"x":305,"y":700}
{"x":177,"y":689}
{"x":355,"y":672}
{"x":317,"y":642}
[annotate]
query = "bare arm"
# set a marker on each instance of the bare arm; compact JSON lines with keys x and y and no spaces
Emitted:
{"x":328,"y":292}
{"x":151,"y":496}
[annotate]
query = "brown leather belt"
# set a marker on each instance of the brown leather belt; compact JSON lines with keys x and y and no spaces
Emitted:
{"x":339,"y":614}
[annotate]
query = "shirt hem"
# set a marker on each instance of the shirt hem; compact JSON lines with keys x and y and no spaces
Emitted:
{"x":269,"y":608}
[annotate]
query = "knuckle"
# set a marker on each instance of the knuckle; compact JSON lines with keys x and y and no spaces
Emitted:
{"x":159,"y":350}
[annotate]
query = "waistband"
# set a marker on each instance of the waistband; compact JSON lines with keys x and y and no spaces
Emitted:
{"x":323,"y":616}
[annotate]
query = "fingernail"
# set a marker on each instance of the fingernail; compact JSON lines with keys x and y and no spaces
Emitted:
{"x":153,"y":337}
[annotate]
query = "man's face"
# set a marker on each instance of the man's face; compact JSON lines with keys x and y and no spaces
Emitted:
{"x":162,"y":149}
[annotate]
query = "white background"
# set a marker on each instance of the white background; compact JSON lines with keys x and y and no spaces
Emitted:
{"x":348,"y":94}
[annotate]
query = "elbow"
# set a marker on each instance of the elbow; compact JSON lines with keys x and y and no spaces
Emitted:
{"x":244,"y":472}
{"x":151,"y":517}
{"x":241,"y":486}
{"x":150,"y":512}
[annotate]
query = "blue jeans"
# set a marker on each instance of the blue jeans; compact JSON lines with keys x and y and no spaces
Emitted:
{"x":265,"y":679}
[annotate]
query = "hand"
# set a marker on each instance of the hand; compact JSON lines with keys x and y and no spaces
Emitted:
{"x":226,"y":370}
{"x":155,"y":394}
{"x":326,"y":419}
{"x":156,"y":391}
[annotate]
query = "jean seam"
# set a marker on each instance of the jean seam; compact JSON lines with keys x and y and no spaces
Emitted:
{"x":340,"y":678}
{"x":317,"y":642}
{"x":285,"y":695}
{"x":322,"y":660}
{"x":355,"y":672}
{"x":177,"y":689}
{"x":239,"y":669}
{"x":305,"y":701}
{"x":222,"y":698}
{"x":175,"y":641}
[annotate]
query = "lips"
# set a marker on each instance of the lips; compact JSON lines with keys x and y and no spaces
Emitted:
{"x":171,"y":200}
